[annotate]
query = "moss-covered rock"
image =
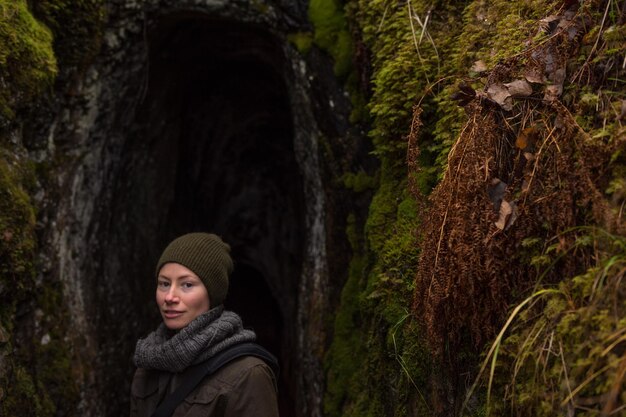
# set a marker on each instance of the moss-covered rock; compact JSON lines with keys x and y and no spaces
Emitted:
{"x":331,"y":33}
{"x":375,"y":362}
{"x":59,"y":375}
{"x":17,"y":279}
{"x":420,"y":51}
{"x":27,"y":62}
{"x":77,"y":26}
{"x":374,"y":320}
{"x":566,"y":350}
{"x":36,"y":374}
{"x":17,"y":234}
{"x":36,"y":369}
{"x":302,"y":41}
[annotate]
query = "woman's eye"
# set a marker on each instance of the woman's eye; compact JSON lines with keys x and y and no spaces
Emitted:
{"x":187,"y":285}
{"x":163,"y":284}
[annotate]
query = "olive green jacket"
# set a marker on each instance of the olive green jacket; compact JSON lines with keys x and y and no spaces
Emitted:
{"x":245,"y":387}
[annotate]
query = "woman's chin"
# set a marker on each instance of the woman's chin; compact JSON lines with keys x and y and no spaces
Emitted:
{"x":174,"y":324}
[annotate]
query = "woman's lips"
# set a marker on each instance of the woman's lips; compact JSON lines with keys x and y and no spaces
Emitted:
{"x":172,"y":314}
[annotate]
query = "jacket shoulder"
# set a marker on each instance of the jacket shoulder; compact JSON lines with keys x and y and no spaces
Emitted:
{"x":243,"y":387}
{"x":233,"y":373}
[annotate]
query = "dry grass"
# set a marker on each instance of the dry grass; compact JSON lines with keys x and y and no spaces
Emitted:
{"x":563,"y":351}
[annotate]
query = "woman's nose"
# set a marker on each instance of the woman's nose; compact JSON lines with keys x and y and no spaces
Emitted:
{"x":171,"y":296}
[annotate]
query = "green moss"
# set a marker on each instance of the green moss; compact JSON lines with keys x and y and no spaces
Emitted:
{"x":346,"y":355}
{"x":302,"y":41}
{"x":17,"y":272}
{"x":77,"y":26}
{"x":358,"y":182}
{"x":407,"y":71}
{"x":260,"y":6}
{"x":374,"y":344}
{"x":496,"y":30}
{"x":56,"y":376}
{"x":22,"y":395}
{"x":38,"y":376}
{"x":390,"y":367}
{"x":331,"y":33}
{"x":17,"y":235}
{"x":56,"y":373}
{"x":390,"y":283}
{"x":490,"y":33}
{"x":66,"y":31}
{"x":27,"y":61}
{"x":567,"y":350}
{"x":383,"y":209}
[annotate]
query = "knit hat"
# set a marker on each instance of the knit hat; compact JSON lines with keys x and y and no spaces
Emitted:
{"x":207,"y":256}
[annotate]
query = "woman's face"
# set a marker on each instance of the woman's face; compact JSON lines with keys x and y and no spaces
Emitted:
{"x":180,"y":295}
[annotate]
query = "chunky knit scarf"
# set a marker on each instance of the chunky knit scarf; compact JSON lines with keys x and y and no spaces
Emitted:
{"x":203,"y":337}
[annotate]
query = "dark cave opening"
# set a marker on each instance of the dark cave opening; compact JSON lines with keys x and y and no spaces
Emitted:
{"x":211,"y":149}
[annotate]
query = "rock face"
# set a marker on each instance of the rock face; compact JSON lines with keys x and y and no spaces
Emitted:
{"x":196,"y":116}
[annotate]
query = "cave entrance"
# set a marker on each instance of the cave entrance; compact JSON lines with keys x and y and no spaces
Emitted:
{"x":211,"y":149}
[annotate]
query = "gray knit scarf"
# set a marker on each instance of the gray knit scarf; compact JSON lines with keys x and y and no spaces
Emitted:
{"x":203,"y":337}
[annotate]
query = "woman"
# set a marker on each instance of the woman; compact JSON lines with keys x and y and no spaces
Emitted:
{"x":192,"y":282}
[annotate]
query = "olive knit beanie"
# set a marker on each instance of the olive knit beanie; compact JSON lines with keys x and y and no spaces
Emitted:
{"x":207,"y":256}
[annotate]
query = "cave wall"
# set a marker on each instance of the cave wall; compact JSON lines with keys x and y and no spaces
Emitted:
{"x":211,"y":148}
{"x":117,"y":89}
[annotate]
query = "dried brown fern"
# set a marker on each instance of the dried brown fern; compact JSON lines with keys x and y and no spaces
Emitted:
{"x":413,"y":153}
{"x":512,"y":175}
{"x":468,"y":264}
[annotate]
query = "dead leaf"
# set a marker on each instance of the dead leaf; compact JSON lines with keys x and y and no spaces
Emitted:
{"x":534,"y":75}
{"x":552,"y":92}
{"x":500,"y":94}
{"x":503,"y":93}
{"x":507,"y":215}
{"x":519,"y":88}
{"x":7,"y":235}
{"x":547,"y":24}
{"x":565,"y":25}
{"x":526,"y":138}
{"x":558,"y":76}
{"x":555,"y":89}
{"x":479,"y":66}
